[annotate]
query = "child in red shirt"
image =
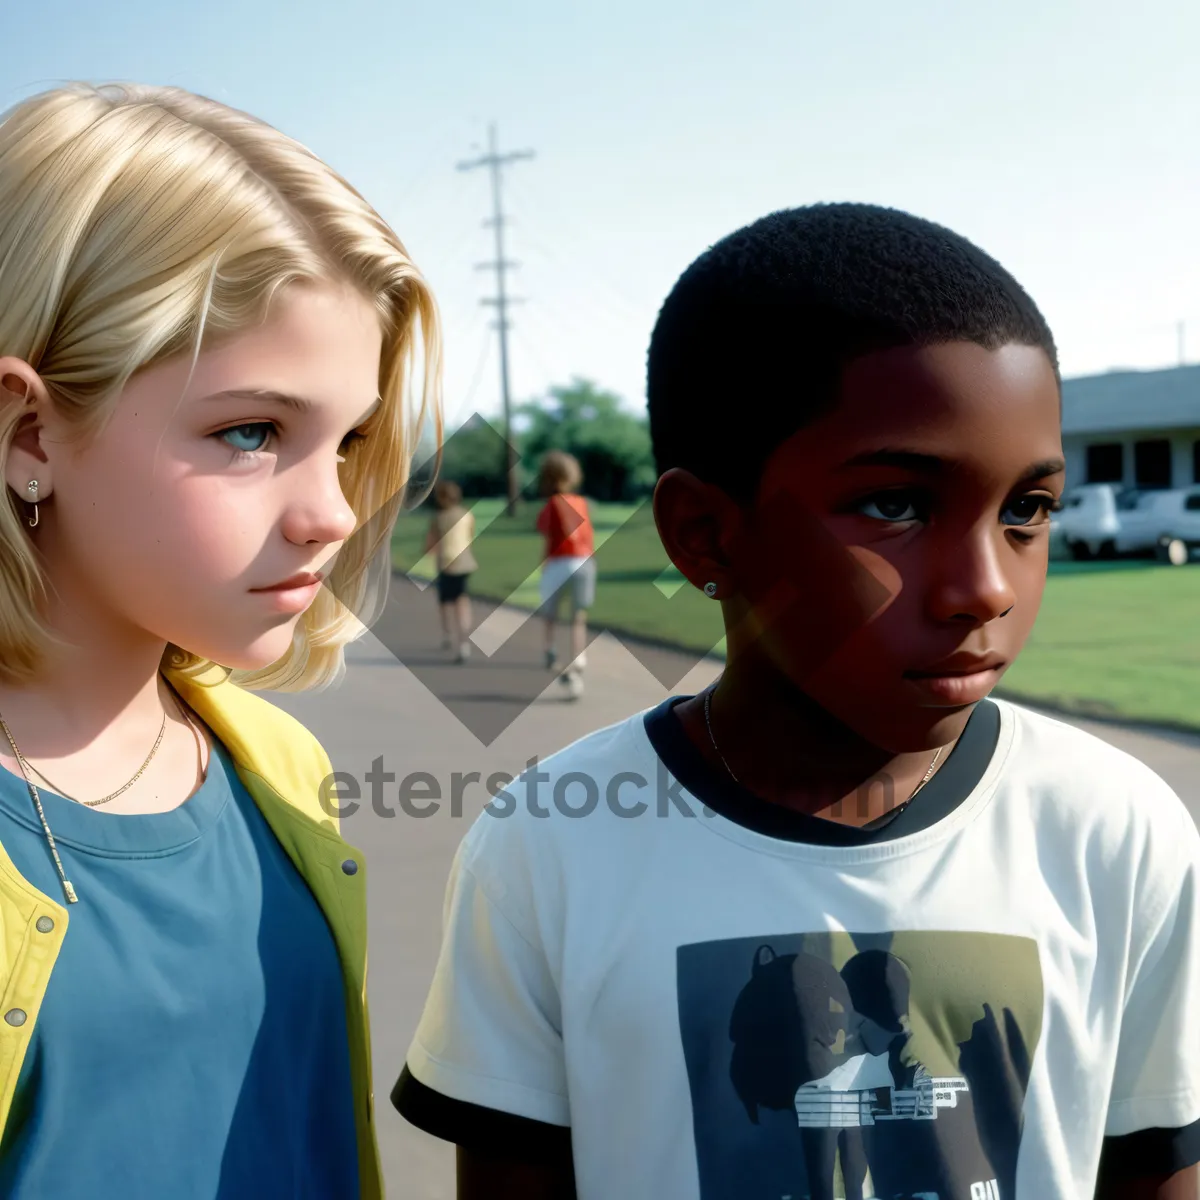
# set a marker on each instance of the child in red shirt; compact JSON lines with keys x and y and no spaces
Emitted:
{"x":568,"y":565}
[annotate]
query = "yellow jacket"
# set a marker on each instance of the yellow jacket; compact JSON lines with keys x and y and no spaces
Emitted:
{"x":282,"y":766}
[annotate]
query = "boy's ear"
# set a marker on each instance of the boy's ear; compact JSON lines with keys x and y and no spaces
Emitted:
{"x":20,"y":385}
{"x":697,"y":523}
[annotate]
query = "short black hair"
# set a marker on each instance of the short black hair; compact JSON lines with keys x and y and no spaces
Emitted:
{"x":751,"y":343}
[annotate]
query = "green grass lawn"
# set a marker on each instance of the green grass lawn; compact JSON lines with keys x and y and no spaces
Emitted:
{"x":1118,"y":639}
{"x":1121,"y":639}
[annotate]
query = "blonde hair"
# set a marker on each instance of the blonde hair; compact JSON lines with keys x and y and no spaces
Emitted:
{"x":560,"y":472}
{"x":136,"y":223}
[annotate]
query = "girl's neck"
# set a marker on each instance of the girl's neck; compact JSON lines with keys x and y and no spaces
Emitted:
{"x":83,"y":692}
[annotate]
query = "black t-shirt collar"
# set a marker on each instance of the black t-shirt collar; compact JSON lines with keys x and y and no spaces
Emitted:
{"x":950,"y":786}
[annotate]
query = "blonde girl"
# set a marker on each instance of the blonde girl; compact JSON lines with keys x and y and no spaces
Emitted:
{"x":214,"y":356}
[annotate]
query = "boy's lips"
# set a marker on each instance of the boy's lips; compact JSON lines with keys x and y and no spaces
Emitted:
{"x":958,"y":680}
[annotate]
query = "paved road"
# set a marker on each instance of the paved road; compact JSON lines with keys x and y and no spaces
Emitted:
{"x":385,"y":711}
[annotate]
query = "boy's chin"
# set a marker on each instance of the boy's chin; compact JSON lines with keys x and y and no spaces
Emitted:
{"x":898,"y":727}
{"x":925,"y":729}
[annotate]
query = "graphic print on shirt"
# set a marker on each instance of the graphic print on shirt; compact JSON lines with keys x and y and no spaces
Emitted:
{"x":842,"y":1066}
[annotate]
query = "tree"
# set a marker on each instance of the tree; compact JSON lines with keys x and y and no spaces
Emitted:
{"x":474,"y":457}
{"x":612,"y":445}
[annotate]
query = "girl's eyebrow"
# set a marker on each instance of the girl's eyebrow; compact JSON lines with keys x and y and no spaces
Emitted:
{"x":300,"y":404}
{"x":931,"y":464}
{"x":297,"y":403}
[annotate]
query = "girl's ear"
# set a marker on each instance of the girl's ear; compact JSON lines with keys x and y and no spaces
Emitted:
{"x":20,"y":385}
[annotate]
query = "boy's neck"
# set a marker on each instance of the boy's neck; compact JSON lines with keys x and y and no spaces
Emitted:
{"x":774,"y":742}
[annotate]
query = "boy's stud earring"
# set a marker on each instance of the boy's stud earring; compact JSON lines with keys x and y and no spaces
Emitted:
{"x":710,"y":589}
{"x":32,"y":488}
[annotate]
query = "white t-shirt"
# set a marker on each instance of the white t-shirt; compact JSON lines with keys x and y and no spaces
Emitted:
{"x":669,"y":984}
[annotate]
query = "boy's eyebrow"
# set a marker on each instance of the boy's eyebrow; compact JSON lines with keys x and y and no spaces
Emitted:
{"x":1040,"y":470}
{"x":907,"y":460}
{"x":931,"y":464}
{"x":300,"y":404}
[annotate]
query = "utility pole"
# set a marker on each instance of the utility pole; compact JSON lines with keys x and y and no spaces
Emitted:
{"x":501,"y":301}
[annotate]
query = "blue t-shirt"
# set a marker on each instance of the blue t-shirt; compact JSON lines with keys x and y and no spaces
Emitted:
{"x":192,"y":1043}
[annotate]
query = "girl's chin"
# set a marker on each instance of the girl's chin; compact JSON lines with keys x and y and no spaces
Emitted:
{"x":257,"y":656}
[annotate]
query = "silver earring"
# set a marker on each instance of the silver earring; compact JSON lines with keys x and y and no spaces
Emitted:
{"x":710,"y":590}
{"x":32,"y":488}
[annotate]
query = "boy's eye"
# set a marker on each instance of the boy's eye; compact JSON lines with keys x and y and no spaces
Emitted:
{"x":248,"y":439}
{"x":1027,"y":509}
{"x":890,"y":506}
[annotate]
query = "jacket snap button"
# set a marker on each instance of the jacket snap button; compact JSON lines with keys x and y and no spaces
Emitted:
{"x":15,"y":1016}
{"x":44,"y":924}
{"x":350,"y":867}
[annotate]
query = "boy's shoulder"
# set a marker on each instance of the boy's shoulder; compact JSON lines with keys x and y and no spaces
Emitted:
{"x":1082,"y":782}
{"x":550,"y":796}
{"x":593,"y":759}
{"x":1052,"y":744}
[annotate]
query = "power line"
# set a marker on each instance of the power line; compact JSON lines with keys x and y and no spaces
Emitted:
{"x":483,"y":357}
{"x":494,"y":160}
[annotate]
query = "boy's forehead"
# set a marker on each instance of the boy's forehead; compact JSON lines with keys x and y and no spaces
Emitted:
{"x":959,"y":377}
{"x":956,"y":399}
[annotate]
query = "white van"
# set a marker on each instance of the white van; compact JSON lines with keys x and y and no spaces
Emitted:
{"x":1088,"y":521}
{"x":1103,"y":520}
{"x":1176,"y":525}
{"x":1143,"y":518}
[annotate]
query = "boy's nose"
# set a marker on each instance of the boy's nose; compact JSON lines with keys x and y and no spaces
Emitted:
{"x":970,"y":582}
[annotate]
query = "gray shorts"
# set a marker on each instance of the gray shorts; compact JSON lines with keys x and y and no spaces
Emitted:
{"x":574,"y":577}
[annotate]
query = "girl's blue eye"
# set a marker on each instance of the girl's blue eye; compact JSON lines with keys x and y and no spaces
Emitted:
{"x":248,"y":439}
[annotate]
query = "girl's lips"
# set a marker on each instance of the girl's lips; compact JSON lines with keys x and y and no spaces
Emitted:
{"x":292,"y":595}
{"x":953,"y":690}
{"x":303,"y":580}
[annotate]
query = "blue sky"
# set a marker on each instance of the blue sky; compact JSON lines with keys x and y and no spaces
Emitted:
{"x":1060,"y":135}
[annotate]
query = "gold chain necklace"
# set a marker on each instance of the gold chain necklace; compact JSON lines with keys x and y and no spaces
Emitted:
{"x":25,"y":763}
{"x":712,"y":738}
{"x":68,"y":889}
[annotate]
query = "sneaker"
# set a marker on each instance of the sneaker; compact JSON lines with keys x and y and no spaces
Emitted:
{"x":573,"y":682}
{"x":464,"y":652}
{"x":551,"y":659}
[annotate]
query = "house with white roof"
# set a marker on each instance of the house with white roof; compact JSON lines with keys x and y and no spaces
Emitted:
{"x":1136,"y":428}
